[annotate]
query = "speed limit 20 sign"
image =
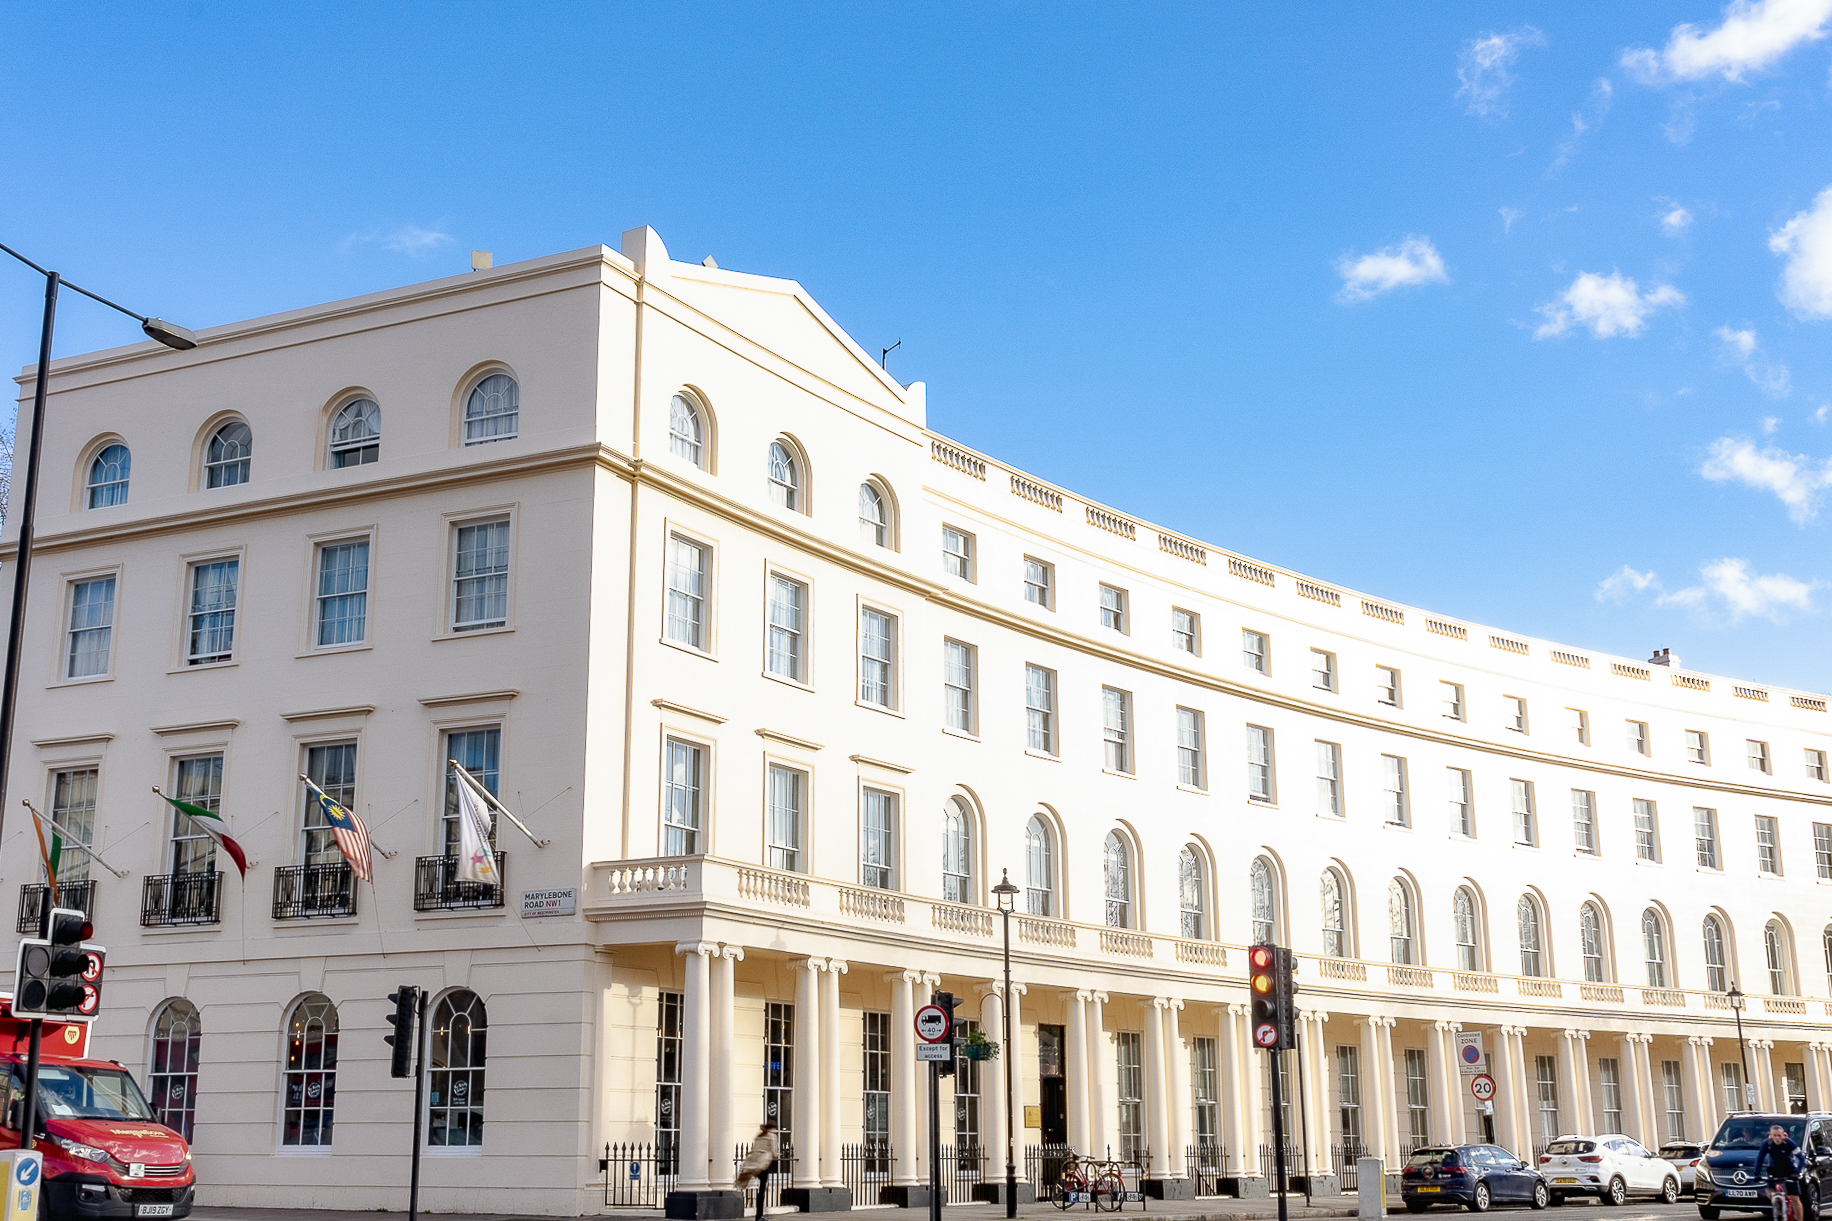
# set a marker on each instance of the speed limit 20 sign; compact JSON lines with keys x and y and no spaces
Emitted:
{"x":1482,"y":1087}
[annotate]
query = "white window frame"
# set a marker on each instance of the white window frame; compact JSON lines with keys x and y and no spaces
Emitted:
{"x":698,"y":792}
{"x":1462,"y":800}
{"x":1326,"y":671}
{"x":881,"y":841}
{"x":1180,"y":632}
{"x":1639,"y":740}
{"x":887,"y":525}
{"x":800,"y":632}
{"x":1580,"y":725}
{"x":1262,"y":776}
{"x":1032,"y":711}
{"x":1768,"y":846}
{"x":892,"y":678}
{"x":958,"y":553}
{"x":1039,"y":582}
{"x":464,"y":410}
{"x":454,"y":523}
{"x":1759,"y":758}
{"x":1822,"y":850}
{"x":803,"y":792}
{"x":1249,"y":636}
{"x":66,"y":655}
{"x":1457,"y":709}
{"x":1116,"y":616}
{"x":1518,"y":721}
{"x":1386,"y":686}
{"x":1397,"y":811}
{"x":1525,"y":817}
{"x":1584,"y":822}
{"x":698,"y":631}
{"x":316,"y":598}
{"x":1646,"y":815}
{"x":1705,"y":839}
{"x":1192,"y":750}
{"x":1329,"y":779}
{"x":1816,"y":764}
{"x":187,"y":660}
{"x":1698,"y":747}
{"x":960,"y":686}
{"x":1116,"y":730}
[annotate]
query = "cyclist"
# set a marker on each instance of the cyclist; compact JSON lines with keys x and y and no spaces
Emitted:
{"x":1778,"y":1163}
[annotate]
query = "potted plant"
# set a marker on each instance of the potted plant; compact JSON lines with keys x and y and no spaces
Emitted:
{"x":979,"y":1047}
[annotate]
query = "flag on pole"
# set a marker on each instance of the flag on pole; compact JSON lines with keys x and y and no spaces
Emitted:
{"x":213,"y":826}
{"x":348,"y":830}
{"x":51,"y":854}
{"x":59,"y":837}
{"x":476,"y":859}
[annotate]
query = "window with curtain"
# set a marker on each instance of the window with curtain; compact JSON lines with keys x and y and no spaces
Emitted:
{"x":684,"y":617}
{"x":874,"y":516}
{"x":108,"y":477}
{"x":1039,"y":869}
{"x":1335,"y":916}
{"x":1590,"y":942}
{"x":682,"y":790}
{"x":784,"y":477}
{"x":1190,"y":888}
{"x":784,"y":818}
{"x":228,"y":455}
{"x":957,"y":853}
{"x":1532,"y":962}
{"x":783,"y":646}
{"x":341,"y":608}
{"x":480,"y":576}
{"x":1399,"y":922}
{"x":685,"y":434}
{"x":877,"y":839}
{"x":1463,"y":918}
{"x":90,"y":643}
{"x":1774,"y":949}
{"x":1654,"y":947}
{"x":1717,"y":957}
{"x":356,"y":434}
{"x":1117,"y":874}
{"x":493,"y":410}
{"x":877,"y":657}
{"x":1264,"y":906}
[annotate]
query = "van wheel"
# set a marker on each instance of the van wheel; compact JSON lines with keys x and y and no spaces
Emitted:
{"x":1479,"y":1198}
{"x":1616,"y":1194}
{"x":1669,"y":1192}
{"x":1541,"y":1197}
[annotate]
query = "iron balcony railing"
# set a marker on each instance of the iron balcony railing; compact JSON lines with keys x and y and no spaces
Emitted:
{"x":436,"y":886}
{"x":312,"y":891}
{"x":79,"y":895}
{"x":181,"y":898}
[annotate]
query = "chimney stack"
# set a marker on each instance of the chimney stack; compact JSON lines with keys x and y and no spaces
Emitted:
{"x":1664,"y":657}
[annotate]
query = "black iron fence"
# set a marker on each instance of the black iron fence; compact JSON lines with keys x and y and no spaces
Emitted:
{"x":962,"y":1168}
{"x":1207,"y":1166}
{"x":637,"y":1174}
{"x":1043,"y":1166}
{"x":307,"y":891}
{"x":866,"y":1169}
{"x":181,"y":898}
{"x":79,"y":895}
{"x":781,"y":1171}
{"x":436,"y":886}
{"x":1348,"y":1170}
{"x":1294,"y":1161}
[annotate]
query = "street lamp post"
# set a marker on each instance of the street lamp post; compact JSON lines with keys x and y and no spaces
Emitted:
{"x":1006,"y":895}
{"x":1737,"y":1001}
{"x":172,"y":337}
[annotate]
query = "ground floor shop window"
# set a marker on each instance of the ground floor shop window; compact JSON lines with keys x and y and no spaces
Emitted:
{"x":877,"y":1092}
{"x":311,"y":1072}
{"x":779,"y":1068}
{"x":1418,"y":1090}
{"x":1348,"y":1095}
{"x":1131,"y":1096}
{"x":172,"y":1082}
{"x":456,"y":1059}
{"x":667,"y":1082}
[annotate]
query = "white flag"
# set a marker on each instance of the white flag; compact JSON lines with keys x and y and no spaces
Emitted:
{"x":476,"y":860}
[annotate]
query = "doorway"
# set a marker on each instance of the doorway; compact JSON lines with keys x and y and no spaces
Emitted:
{"x":1053,"y":1092}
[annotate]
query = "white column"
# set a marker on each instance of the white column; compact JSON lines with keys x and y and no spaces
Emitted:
{"x":1318,"y":1096}
{"x":1698,"y":1115}
{"x":1100,"y":1130}
{"x":1453,"y":1081}
{"x":1523,"y":1092}
{"x":1177,"y":1098}
{"x":1765,"y":1075}
{"x":1375,"y":1102}
{"x":806,"y":1116}
{"x":1157,"y":1120}
{"x":696,"y":1042}
{"x":992,"y":1083}
{"x":1389,"y":1071}
{"x":1434,"y":1069}
{"x":1633,"y":1120}
{"x":1652,"y":1104}
{"x":722,"y":1127}
{"x":1015,"y":1002}
{"x":1233,"y":1086}
{"x":1572,"y":1083}
{"x":1507,"y":1129}
{"x":1075,"y":1070}
{"x":904,"y":1081}
{"x":830,"y":1074}
{"x":1816,"y":1087}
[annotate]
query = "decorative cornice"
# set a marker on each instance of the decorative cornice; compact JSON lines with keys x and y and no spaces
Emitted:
{"x":473,"y":697}
{"x":194,"y":727}
{"x":81,"y":739}
{"x":315,"y":714}
{"x":771,"y":735}
{"x":684,"y":710}
{"x":868,"y":761}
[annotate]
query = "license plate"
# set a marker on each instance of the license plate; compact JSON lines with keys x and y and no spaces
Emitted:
{"x":1564,"y":1180}
{"x":152,"y":1210}
{"x":1741,"y":1195}
{"x":1430,"y":1189}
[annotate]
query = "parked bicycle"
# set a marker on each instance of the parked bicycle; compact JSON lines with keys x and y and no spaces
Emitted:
{"x":1088,"y":1181}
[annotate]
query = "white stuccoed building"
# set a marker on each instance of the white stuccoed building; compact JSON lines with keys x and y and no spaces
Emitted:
{"x":788,"y":682}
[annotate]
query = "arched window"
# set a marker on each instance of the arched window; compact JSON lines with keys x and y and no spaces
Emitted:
{"x":1774,"y":947}
{"x":1259,"y":886}
{"x":456,"y":1058}
{"x":108,"y":477}
{"x":311,"y":1072}
{"x":1590,"y":942}
{"x":1117,"y":870}
{"x":957,"y":853}
{"x":1039,"y":869}
{"x":172,"y":1081}
{"x":874,"y":516}
{"x":785,"y":477}
{"x":228,"y":456}
{"x":1717,"y":956}
{"x":492,"y":411}
{"x":1399,"y":922}
{"x":1335,"y":917}
{"x":1463,"y":916}
{"x":1532,"y":957}
{"x":356,"y":434}
{"x":685,"y":433}
{"x":1654,"y":947}
{"x":1189,"y":893}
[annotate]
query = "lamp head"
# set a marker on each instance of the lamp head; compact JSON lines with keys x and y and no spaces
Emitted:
{"x":175,"y":337}
{"x":1735,"y":997}
{"x":1005,"y":894}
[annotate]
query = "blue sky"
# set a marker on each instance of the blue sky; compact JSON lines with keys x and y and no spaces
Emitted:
{"x":1516,"y":312}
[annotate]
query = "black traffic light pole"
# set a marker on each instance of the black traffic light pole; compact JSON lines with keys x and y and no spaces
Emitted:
{"x":1278,"y":1127}
{"x":419,"y":1077}
{"x":28,"y":1122}
{"x":409,"y":1044}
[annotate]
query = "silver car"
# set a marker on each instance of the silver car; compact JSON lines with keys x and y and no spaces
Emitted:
{"x":1685,"y":1155}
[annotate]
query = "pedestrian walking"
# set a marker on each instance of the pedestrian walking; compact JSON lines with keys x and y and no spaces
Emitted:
{"x":758,"y":1161}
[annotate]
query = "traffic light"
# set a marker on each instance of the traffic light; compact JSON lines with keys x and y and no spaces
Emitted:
{"x":957,"y":1030}
{"x":1274,"y":1008}
{"x":406,"y":1001}
{"x":60,"y":976}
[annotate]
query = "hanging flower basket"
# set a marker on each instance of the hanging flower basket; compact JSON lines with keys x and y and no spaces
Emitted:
{"x":979,"y":1047}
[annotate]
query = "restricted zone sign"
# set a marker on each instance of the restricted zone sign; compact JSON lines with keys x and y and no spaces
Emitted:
{"x":1482,"y":1087}
{"x":932,"y":1034}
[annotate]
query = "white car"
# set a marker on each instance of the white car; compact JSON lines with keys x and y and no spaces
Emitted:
{"x":1611,"y":1167}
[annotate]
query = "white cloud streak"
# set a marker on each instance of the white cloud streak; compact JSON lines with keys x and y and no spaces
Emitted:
{"x":1609,"y":305}
{"x":1412,"y":262}
{"x":1743,"y":349}
{"x":1675,"y":220}
{"x":1796,"y":480}
{"x":409,"y":239}
{"x":1483,"y":69}
{"x":1806,"y":243}
{"x":1508,"y":217}
{"x":1625,"y":583}
{"x":1601,"y":95}
{"x":1731,"y":589}
{"x":1753,"y":35}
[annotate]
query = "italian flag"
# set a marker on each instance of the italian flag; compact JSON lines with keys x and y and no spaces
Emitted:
{"x":53,"y":853}
{"x":214,"y":827}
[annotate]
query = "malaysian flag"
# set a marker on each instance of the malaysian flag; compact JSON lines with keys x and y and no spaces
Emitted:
{"x":351,"y":835}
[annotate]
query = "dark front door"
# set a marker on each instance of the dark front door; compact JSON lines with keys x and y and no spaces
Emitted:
{"x":1054,"y":1092}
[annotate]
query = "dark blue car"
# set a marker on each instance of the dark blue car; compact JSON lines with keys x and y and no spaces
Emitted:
{"x":1470,"y":1176}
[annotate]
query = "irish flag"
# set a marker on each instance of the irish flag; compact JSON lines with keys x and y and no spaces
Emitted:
{"x":213,"y":826}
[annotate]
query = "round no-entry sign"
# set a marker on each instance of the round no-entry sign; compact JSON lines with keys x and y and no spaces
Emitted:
{"x":932,"y":1024}
{"x":1482,"y":1086}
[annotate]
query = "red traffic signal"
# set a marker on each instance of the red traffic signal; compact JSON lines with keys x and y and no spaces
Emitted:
{"x":1273,"y":1011}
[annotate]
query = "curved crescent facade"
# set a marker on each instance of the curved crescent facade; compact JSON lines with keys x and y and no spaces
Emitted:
{"x":784,"y":684}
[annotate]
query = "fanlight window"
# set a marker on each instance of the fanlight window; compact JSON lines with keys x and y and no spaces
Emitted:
{"x":1399,"y":921}
{"x":230,"y":452}
{"x":1335,"y":925}
{"x":1189,"y":892}
{"x":1532,"y":962}
{"x":1654,"y":947}
{"x":1117,"y":871}
{"x":1039,"y":875}
{"x":1717,"y":958}
{"x":1774,"y":948}
{"x":1259,"y":886}
{"x":874,"y":516}
{"x":1463,"y":916}
{"x":492,"y":412}
{"x":356,"y":434}
{"x":108,"y":477}
{"x":1590,"y":941}
{"x":785,"y":477}
{"x":455,"y":1083}
{"x":685,"y":434}
{"x":957,"y":854}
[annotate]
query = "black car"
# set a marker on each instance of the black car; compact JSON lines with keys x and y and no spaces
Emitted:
{"x":1474,"y":1176}
{"x":1727,"y":1178}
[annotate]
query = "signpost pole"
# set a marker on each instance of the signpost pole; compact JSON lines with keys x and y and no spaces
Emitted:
{"x":1278,"y":1131}
{"x":419,"y":1077}
{"x":934,"y":1140}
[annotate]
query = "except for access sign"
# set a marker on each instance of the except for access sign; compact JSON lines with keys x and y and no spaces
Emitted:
{"x":1482,"y":1087}
{"x":932,"y":1024}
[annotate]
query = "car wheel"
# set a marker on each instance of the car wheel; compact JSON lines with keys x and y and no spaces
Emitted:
{"x":1616,"y":1194}
{"x":1479,"y":1198}
{"x":1541,"y":1196}
{"x":1669,"y":1192}
{"x":1707,"y":1213}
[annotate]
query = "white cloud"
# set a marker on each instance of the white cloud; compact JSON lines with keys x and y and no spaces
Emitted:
{"x":1482,"y":68}
{"x":1413,"y":261}
{"x":1754,"y":34}
{"x":1675,"y":220}
{"x":1601,"y":94}
{"x":1625,"y":583}
{"x":410,"y":239}
{"x":1743,"y":349}
{"x":1729,"y":586}
{"x":1769,"y":424}
{"x":1508,"y":217}
{"x":1806,"y":240}
{"x":1819,"y":417}
{"x":1609,"y":305}
{"x":1795,"y":479}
